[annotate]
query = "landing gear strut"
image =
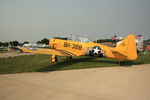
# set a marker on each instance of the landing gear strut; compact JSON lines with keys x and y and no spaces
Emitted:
{"x":68,"y":58}
{"x":119,"y":62}
{"x":53,"y":59}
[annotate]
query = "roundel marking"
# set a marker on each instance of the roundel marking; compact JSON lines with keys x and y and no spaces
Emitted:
{"x":96,"y":50}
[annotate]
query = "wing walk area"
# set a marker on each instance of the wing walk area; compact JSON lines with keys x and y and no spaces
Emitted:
{"x":48,"y":51}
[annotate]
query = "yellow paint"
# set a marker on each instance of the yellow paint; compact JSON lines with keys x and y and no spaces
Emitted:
{"x":125,"y":50}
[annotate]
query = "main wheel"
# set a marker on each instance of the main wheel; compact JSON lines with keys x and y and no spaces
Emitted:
{"x":53,"y":58}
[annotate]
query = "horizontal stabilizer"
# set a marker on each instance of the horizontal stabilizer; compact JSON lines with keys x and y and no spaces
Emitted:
{"x":118,"y":51}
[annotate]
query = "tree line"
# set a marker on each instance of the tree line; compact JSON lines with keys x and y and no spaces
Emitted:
{"x":106,"y":40}
{"x":46,"y":41}
{"x":16,"y":43}
{"x":113,"y":41}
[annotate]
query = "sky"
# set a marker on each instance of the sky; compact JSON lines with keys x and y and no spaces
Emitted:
{"x":33,"y":20}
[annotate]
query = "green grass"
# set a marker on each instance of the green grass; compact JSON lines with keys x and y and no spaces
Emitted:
{"x":41,"y":63}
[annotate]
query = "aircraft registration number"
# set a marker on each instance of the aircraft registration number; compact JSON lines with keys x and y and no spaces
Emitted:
{"x":73,"y":46}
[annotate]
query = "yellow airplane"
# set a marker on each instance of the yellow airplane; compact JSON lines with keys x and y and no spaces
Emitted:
{"x":125,"y":50}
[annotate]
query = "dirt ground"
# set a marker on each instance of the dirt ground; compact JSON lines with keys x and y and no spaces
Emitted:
{"x":12,"y":54}
{"x":111,"y":83}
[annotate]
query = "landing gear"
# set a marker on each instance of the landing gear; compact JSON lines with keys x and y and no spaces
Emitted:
{"x":119,"y":62}
{"x":68,"y":58}
{"x":53,"y":59}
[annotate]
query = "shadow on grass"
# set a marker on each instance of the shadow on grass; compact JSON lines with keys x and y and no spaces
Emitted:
{"x":79,"y":63}
{"x":87,"y":62}
{"x":130,"y":63}
{"x":60,"y":65}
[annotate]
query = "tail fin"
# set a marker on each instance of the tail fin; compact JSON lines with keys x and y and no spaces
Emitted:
{"x":128,"y":47}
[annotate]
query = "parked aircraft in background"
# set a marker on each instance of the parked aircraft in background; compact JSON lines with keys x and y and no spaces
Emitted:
{"x":125,"y":50}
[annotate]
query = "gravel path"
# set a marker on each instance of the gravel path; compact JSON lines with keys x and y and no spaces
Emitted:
{"x":12,"y":54}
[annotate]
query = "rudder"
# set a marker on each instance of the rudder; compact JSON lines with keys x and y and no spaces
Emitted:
{"x":128,"y":46}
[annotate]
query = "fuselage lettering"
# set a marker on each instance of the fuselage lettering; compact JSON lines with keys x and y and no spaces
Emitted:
{"x":73,"y":46}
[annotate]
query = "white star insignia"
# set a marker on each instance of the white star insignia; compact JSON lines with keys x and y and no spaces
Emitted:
{"x":96,"y":50}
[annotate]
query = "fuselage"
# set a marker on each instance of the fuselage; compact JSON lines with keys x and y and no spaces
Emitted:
{"x":82,"y":49}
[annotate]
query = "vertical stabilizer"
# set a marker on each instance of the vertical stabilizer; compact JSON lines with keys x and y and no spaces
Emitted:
{"x":128,"y":46}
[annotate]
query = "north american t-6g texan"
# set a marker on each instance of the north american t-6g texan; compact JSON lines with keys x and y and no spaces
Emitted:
{"x":125,"y":50}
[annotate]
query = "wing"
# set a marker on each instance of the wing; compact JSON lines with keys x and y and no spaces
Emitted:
{"x":47,"y":51}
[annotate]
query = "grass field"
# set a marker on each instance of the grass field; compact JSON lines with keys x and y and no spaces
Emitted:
{"x":41,"y":63}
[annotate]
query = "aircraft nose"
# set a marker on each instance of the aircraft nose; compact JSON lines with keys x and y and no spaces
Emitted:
{"x":51,"y":42}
